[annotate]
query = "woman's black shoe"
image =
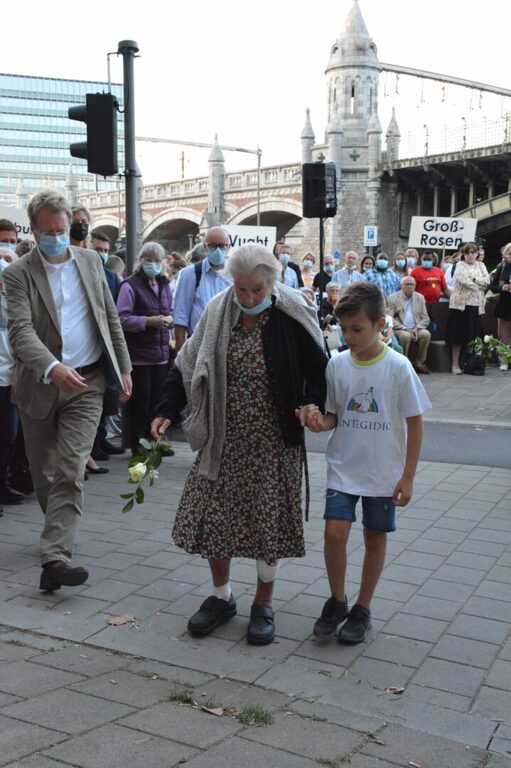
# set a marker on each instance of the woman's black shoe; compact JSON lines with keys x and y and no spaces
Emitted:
{"x":97,"y":470}
{"x":261,"y":627}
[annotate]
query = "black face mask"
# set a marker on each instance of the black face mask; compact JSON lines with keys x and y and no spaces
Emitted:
{"x":79,"y":231}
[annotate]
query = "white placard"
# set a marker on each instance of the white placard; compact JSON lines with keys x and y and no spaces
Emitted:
{"x":370,"y":236}
{"x":19,"y":218}
{"x":441,"y":232}
{"x":240,"y":235}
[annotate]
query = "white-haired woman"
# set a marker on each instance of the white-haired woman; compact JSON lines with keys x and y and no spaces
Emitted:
{"x":255,"y":356}
{"x":145,"y":306}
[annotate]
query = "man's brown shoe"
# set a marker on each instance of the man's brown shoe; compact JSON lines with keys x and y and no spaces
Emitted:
{"x":59,"y":574}
{"x":421,"y":367}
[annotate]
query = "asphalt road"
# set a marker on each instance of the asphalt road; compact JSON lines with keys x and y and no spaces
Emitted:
{"x":452,"y":444}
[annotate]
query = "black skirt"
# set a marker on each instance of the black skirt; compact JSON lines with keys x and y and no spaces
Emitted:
{"x":463,"y":326}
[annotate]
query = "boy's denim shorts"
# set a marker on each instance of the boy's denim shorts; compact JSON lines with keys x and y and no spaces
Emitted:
{"x":378,"y":512}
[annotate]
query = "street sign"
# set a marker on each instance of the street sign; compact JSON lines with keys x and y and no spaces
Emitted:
{"x":19,"y":218}
{"x":370,"y":236}
{"x":241,"y":235}
{"x":441,"y":232}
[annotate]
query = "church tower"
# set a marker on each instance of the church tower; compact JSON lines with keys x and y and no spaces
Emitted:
{"x":352,"y":84}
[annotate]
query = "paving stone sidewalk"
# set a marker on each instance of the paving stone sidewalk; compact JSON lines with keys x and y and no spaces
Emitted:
{"x":75,"y":690}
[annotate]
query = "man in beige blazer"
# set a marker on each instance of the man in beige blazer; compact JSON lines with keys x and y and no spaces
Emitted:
{"x":69,"y":345}
{"x":410,"y":317}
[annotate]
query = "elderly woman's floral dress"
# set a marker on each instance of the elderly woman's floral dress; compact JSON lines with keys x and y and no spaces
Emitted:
{"x":253,"y":509}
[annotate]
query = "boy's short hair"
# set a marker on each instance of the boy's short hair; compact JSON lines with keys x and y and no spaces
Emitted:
{"x":361,"y":297}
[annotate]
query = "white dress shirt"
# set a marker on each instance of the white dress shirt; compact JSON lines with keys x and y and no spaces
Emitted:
{"x":409,"y":318}
{"x":81,"y":342}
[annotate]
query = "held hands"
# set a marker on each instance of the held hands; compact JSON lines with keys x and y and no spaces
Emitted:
{"x":310,"y":416}
{"x":159,"y":426}
{"x":402,"y":492}
{"x":159,"y":321}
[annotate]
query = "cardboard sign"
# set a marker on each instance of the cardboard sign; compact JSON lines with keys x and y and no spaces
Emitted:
{"x":441,"y":232}
{"x":240,"y":235}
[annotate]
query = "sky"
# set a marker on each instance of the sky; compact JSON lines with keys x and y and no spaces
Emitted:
{"x":247,"y":71}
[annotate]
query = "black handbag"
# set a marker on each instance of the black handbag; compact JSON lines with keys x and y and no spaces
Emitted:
{"x":474,"y":365}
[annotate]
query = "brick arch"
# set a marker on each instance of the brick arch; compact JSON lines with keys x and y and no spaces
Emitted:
{"x":171,"y":214}
{"x":272,"y":205}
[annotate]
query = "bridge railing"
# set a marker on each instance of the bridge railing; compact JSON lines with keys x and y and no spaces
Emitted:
{"x":455,"y":138}
{"x":272,"y":176}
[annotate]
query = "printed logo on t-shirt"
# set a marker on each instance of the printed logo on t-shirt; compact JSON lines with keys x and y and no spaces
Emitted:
{"x":364,"y":402}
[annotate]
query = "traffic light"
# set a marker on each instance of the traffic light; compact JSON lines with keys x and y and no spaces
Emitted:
{"x":100,"y":150}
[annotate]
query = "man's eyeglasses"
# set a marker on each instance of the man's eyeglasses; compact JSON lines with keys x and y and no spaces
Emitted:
{"x":214,"y":246}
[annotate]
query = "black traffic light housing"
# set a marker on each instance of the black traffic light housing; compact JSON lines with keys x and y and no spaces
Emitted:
{"x":100,"y":150}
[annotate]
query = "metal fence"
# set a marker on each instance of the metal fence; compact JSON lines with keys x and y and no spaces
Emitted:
{"x":436,"y":140}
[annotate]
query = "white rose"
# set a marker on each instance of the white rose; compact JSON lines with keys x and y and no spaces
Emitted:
{"x":487,"y":339}
{"x":137,"y":472}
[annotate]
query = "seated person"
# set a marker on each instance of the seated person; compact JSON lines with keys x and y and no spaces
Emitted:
{"x":333,"y":294}
{"x":388,"y":336}
{"x":410,"y":317}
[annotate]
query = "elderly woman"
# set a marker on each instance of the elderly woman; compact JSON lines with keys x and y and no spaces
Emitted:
{"x":333,"y":294}
{"x":466,"y":303}
{"x":145,"y":306}
{"x":255,"y":356}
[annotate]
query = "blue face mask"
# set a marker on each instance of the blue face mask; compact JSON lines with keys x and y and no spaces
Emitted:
{"x":103,"y":256}
{"x":329,"y":268}
{"x":152,"y":269}
{"x":10,"y":246}
{"x":427,"y":264}
{"x":265,"y":304}
{"x":217,"y":257}
{"x":400,"y":263}
{"x":3,"y":265}
{"x":410,"y":261}
{"x":284,"y":258}
{"x":53,"y":245}
{"x":307,"y":263}
{"x":382,"y":263}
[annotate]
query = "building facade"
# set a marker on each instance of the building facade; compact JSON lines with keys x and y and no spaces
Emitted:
{"x":35,"y":134}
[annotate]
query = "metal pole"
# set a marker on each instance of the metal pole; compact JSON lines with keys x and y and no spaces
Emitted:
{"x":258,"y":220}
{"x":128,"y":49}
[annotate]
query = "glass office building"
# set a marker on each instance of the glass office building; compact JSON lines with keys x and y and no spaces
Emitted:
{"x":35,"y":134}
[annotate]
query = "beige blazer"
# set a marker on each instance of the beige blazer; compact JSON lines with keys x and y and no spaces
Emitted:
{"x":34,"y":330}
{"x":396,"y":308}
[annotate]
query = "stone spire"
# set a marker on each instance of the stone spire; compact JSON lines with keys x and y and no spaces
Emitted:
{"x":352,"y":75}
{"x":374,"y":132}
{"x":307,"y":138}
{"x":392,"y":138}
{"x":21,"y":195}
{"x":71,"y":187}
{"x":216,"y":184}
{"x":334,"y":140}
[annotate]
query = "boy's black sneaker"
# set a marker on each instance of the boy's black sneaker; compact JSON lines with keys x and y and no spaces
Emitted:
{"x":357,"y":626}
{"x":331,"y":616}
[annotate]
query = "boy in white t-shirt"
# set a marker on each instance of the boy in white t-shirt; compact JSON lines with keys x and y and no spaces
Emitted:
{"x":374,"y":405}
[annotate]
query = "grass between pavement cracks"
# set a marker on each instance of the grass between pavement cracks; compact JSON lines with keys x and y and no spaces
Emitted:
{"x":253,"y":715}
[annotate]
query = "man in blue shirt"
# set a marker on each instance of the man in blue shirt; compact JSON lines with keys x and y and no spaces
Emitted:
{"x":349,"y":273}
{"x":196,"y":288}
{"x":386,"y":279}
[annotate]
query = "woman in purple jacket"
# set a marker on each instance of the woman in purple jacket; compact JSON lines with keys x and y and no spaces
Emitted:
{"x":145,"y":305}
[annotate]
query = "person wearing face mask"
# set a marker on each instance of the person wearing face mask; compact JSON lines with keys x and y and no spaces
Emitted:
{"x":288,"y":274}
{"x":367,"y":264}
{"x":308,"y":273}
{"x":199,"y":282}
{"x":79,"y":226}
{"x":412,"y":258}
{"x":68,"y":345}
{"x":255,"y":356}
{"x":399,"y":265}
{"x":429,"y":279}
{"x":101,"y":244}
{"x":386,"y":280}
{"x":8,"y":235}
{"x":324,"y":277}
{"x":145,"y":306}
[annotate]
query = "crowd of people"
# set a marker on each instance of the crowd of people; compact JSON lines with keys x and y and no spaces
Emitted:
{"x":233,"y":347}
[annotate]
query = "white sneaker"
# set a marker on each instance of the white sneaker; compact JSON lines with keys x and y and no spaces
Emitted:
{"x":504,"y":367}
{"x":456,"y":370}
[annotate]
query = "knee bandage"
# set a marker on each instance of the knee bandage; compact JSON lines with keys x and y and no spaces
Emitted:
{"x":267,"y":572}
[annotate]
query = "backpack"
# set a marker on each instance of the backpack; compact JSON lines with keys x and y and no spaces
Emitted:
{"x":474,"y":365}
{"x":198,"y":273}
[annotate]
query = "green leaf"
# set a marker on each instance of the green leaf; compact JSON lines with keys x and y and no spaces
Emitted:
{"x":156,"y":462}
{"x":165,"y":447}
{"x":147,"y":444}
{"x":138,"y":459}
{"x":126,"y":495}
{"x":129,"y":506}
{"x":139,"y":495}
